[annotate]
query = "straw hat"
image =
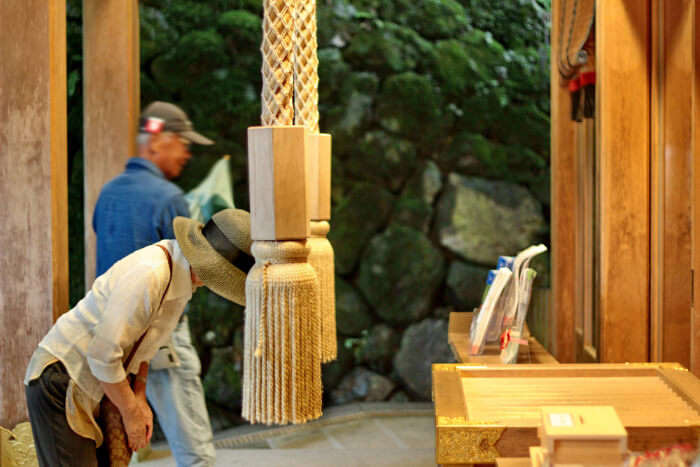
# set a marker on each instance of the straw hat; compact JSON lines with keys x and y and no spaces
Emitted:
{"x":218,"y":251}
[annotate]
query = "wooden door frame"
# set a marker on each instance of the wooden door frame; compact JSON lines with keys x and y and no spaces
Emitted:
{"x":565,"y":194}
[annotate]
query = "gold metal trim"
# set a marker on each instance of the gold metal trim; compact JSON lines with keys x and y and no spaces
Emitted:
{"x":458,"y":445}
{"x":464,"y":421}
{"x":449,"y":367}
{"x":17,"y":446}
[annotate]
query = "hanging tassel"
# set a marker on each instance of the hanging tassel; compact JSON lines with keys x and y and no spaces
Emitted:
{"x":282,"y":366}
{"x":321,"y":258}
{"x":588,"y":85}
{"x":575,"y":89}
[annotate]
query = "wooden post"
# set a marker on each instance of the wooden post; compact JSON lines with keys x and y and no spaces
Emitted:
{"x":564,"y":202}
{"x":34,"y":208}
{"x":623,"y":88}
{"x":671,"y":151}
{"x":111,"y":101}
{"x":695,"y":195}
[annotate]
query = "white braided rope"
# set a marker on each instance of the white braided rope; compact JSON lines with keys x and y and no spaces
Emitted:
{"x":277,"y":62}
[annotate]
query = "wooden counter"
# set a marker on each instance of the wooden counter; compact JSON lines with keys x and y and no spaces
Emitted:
{"x":483,"y":412}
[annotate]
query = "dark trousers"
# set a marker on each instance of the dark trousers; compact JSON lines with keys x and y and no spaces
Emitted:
{"x":56,"y":444}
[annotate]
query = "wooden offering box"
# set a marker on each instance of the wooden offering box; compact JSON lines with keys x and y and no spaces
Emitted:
{"x":589,"y":435}
{"x":483,"y":412}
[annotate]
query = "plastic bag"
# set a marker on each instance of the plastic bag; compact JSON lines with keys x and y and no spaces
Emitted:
{"x":213,"y":194}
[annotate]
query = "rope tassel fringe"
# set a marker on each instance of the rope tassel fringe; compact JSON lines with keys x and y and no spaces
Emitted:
{"x":282,"y":365}
{"x":321,"y":258}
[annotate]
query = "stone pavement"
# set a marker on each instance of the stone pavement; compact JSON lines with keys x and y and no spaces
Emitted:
{"x":364,"y":434}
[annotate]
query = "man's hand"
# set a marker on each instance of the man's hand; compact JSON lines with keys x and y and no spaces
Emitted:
{"x":138,"y":423}
{"x":133,"y":407}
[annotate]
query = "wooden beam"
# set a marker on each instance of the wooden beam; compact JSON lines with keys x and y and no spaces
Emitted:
{"x":564,"y":205}
{"x":672,"y":83}
{"x":34,"y":254}
{"x":623,"y":76}
{"x":111,"y":101}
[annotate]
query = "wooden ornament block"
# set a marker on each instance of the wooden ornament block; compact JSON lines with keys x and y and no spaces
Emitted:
{"x":583,"y":435}
{"x":324,"y":177}
{"x":279,"y":195}
{"x":319,"y":176}
{"x":312,"y":173}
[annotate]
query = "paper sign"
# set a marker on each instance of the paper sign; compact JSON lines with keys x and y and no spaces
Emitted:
{"x":561,"y":419}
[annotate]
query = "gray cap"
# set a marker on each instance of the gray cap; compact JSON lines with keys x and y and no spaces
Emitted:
{"x":172,"y":118}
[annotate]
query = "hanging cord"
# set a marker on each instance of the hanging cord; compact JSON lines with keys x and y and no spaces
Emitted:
{"x":571,"y":66}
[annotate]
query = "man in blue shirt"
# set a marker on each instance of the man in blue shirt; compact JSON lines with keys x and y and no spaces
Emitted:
{"x":134,"y":210}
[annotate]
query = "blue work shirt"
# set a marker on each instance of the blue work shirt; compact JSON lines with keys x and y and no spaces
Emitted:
{"x":134,"y":210}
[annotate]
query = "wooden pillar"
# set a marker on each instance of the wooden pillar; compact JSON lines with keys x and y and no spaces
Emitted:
{"x":111,"y":101}
{"x":623,"y":72}
{"x":695,"y":196}
{"x":564,"y":200}
{"x":671,"y":151}
{"x":34,"y":209}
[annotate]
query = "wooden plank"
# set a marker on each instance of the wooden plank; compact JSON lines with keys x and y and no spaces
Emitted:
{"x":656,"y":194}
{"x":684,"y":383}
{"x":447,"y":392}
{"x":695,"y":205}
{"x":34,"y":255}
{"x":622,"y":67}
{"x":573,"y":370}
{"x":672,"y":68}
{"x":677,"y":145}
{"x":586,"y":290}
{"x":564,"y":203}
{"x":110,"y":103}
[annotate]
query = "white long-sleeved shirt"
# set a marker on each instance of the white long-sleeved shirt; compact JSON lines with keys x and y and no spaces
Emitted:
{"x":94,"y":337}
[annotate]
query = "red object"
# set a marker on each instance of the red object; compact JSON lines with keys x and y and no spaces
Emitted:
{"x":575,"y":84}
{"x":506,"y":337}
{"x":154,"y":125}
{"x":587,"y":78}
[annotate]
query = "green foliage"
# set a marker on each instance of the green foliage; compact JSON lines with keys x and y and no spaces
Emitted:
{"x":75,"y":153}
{"x":242,"y":22}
